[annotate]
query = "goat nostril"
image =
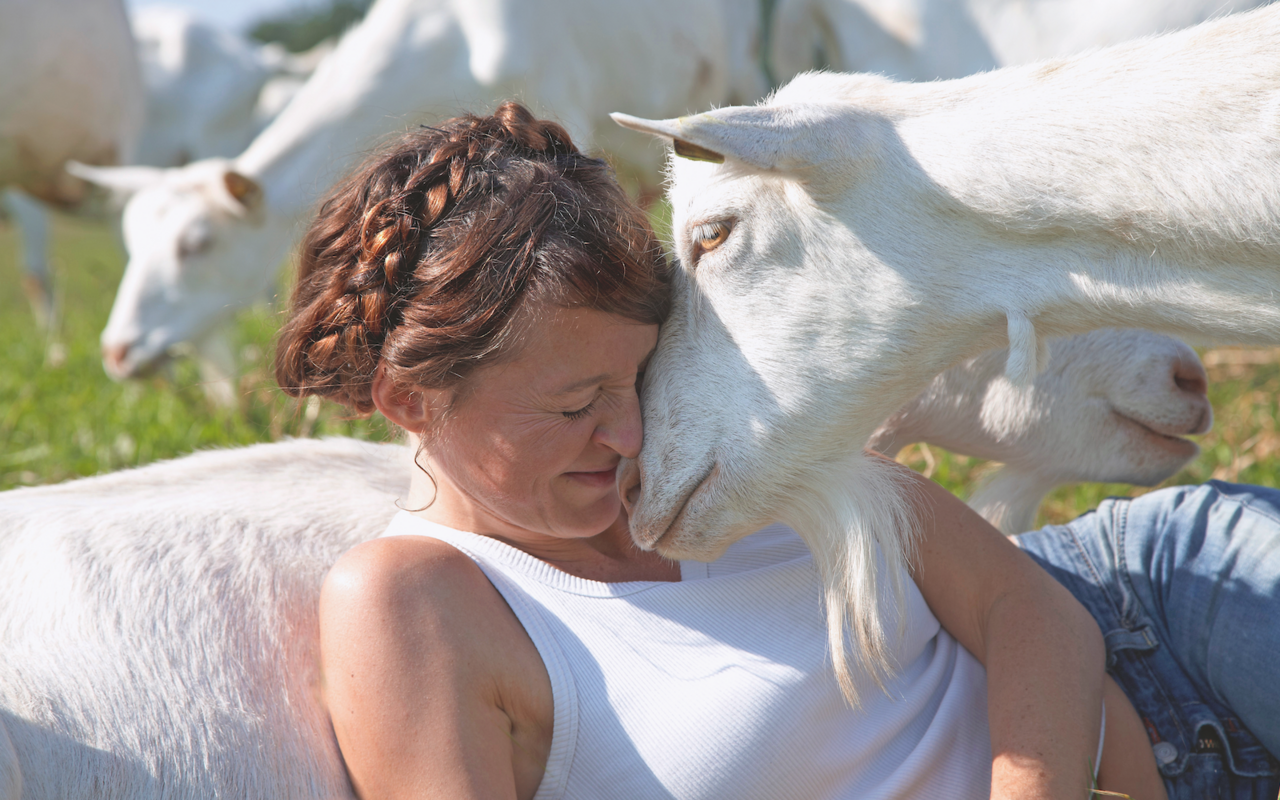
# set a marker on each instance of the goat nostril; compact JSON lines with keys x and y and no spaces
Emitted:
{"x":629,"y":485}
{"x":1189,"y":376}
{"x":115,"y":354}
{"x":1193,"y":384}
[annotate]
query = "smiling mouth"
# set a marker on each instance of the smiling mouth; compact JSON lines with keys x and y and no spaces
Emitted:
{"x":599,"y":476}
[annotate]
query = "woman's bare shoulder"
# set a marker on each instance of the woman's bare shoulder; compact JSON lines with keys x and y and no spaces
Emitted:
{"x":428,"y":675}
{"x":390,"y":571}
{"x":415,"y":587}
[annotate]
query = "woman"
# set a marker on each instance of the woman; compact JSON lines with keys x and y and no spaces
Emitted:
{"x":492,"y":292}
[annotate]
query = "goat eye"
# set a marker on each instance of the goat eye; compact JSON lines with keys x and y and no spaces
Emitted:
{"x":194,"y":243}
{"x":710,"y":235}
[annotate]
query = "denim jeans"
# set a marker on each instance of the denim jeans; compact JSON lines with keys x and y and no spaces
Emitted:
{"x":1185,"y":584}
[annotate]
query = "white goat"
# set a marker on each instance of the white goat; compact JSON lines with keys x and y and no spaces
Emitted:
{"x":1111,"y":407}
{"x":70,"y":88}
{"x":159,"y":633}
{"x":923,"y":40}
{"x":863,"y":235}
{"x":206,"y":240}
{"x":202,"y":90}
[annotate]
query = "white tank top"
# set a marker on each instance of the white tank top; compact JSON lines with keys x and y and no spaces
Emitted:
{"x":719,"y":685}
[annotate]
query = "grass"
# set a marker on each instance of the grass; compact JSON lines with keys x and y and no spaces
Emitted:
{"x":67,"y":420}
{"x":60,"y":421}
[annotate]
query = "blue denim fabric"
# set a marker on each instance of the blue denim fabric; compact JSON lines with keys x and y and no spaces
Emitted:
{"x":1185,"y":583}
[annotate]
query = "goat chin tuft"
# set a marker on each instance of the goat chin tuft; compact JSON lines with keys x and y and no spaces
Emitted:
{"x":861,"y":528}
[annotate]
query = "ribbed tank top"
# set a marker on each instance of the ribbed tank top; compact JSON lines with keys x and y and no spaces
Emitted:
{"x":720,"y":685}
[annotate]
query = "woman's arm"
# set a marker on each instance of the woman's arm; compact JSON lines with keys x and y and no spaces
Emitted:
{"x":1042,"y":650}
{"x":433,"y":687}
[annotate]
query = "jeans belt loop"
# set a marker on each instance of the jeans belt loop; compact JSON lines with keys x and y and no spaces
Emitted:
{"x":1124,"y":639}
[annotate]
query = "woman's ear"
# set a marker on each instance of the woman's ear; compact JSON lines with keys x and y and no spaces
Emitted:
{"x":409,"y":408}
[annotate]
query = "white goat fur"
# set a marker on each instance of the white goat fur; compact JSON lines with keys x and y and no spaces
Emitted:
{"x":202,"y":90}
{"x":1111,"y":407}
{"x":69,"y":88}
{"x":198,"y":252}
{"x":889,"y":230}
{"x":159,"y":634}
{"x":924,"y":40}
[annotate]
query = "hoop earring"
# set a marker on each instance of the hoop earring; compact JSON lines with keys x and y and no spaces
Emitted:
{"x":435,"y":487}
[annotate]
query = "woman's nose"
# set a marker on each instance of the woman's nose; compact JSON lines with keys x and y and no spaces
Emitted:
{"x":623,"y":431}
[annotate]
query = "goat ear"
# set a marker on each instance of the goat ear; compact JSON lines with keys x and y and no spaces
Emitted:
{"x":245,"y":190}
{"x":121,"y":181}
{"x":788,"y":137}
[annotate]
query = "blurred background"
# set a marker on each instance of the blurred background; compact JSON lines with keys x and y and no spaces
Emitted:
{"x":62,"y":416}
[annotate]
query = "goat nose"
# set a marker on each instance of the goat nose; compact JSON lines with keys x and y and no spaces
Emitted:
{"x":1189,"y":375}
{"x":113,"y":357}
{"x":629,"y":484}
{"x":1190,"y":378}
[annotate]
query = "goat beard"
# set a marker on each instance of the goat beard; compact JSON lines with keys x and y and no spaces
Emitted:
{"x":862,"y":528}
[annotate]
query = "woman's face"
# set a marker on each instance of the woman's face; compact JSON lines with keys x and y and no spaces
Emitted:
{"x":532,"y":445}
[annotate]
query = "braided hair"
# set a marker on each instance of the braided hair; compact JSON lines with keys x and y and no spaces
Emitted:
{"x":420,"y":260}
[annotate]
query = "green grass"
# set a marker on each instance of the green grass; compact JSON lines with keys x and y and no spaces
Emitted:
{"x":63,"y":421}
{"x":60,"y":422}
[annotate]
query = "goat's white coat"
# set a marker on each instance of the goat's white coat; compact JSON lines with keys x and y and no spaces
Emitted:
{"x":411,"y":61}
{"x":884,"y":231}
{"x":924,"y":40}
{"x":70,"y":88}
{"x":202,"y":88}
{"x":159,"y":637}
{"x":29,"y":217}
{"x":1111,"y":407}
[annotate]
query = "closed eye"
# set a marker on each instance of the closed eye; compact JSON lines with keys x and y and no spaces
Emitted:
{"x":709,"y":235}
{"x":580,"y":413}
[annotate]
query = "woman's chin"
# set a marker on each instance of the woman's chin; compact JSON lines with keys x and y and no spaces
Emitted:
{"x":592,"y":519}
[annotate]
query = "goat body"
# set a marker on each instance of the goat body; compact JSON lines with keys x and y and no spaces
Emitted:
{"x":206,"y":239}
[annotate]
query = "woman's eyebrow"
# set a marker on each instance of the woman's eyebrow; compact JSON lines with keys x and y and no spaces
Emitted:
{"x":578,"y":386}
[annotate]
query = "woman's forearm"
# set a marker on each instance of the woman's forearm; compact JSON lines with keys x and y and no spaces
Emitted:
{"x":1042,"y":650}
{"x":1044,"y":660}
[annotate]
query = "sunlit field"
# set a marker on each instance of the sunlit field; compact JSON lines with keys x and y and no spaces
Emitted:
{"x":61,"y":417}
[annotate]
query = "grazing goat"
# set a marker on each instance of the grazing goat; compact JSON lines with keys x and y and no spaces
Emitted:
{"x":202,"y":90}
{"x":1111,"y":407}
{"x":207,"y":239}
{"x":860,"y":236}
{"x":159,"y":636}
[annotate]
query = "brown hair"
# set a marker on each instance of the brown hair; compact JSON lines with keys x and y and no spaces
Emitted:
{"x":421,"y":259}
